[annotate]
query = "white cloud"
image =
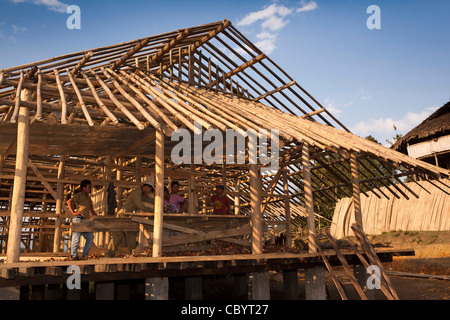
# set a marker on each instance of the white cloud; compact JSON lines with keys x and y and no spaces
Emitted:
{"x":387,"y":126}
{"x":335,"y":106}
{"x":53,"y":5}
{"x":272,"y":18}
{"x":18,"y":29}
{"x":310,"y":6}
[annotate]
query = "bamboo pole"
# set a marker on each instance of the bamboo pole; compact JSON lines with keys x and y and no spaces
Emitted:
{"x":149,"y":102}
{"x":309,"y":200}
{"x":159,"y":194}
{"x":20,"y":178}
{"x":119,"y":62}
{"x":118,"y":103}
{"x":81,"y":64}
{"x":80,"y":99}
{"x":62,"y":97}
{"x":99,"y":102}
{"x":287,"y":207}
{"x":133,"y":101}
{"x":17,"y":99}
{"x":39,"y":95}
{"x":59,"y":205}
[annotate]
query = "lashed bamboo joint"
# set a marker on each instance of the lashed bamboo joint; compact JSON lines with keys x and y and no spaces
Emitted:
{"x":108,"y":114}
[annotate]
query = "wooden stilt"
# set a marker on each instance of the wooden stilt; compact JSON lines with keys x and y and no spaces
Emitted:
{"x":159,"y":194}
{"x":255,"y":200}
{"x":309,"y":201}
{"x":20,"y":177}
{"x":59,"y":205}
{"x":287,"y":208}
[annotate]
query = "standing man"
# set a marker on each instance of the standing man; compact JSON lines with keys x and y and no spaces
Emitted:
{"x":83,"y":211}
{"x":220,"y":201}
{"x":140,"y":199}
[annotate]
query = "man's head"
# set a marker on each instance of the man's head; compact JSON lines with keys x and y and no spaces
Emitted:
{"x":220,"y":190}
{"x":147,"y":188}
{"x":175,"y":186}
{"x":86,"y":186}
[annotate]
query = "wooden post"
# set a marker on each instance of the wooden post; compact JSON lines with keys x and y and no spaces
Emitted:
{"x":287,"y":208}
{"x":355,"y":187}
{"x":20,"y":179}
{"x":255,"y":202}
{"x":309,"y":201}
{"x":259,"y":286}
{"x":59,"y":205}
{"x":159,"y":194}
{"x":237,"y":200}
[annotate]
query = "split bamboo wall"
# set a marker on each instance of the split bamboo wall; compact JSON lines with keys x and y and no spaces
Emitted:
{"x":429,"y":212}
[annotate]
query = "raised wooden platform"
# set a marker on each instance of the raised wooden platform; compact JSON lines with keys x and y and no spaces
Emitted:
{"x":111,"y":269}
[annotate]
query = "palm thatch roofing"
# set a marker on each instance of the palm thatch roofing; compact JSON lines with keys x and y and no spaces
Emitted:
{"x":97,"y":110}
{"x":436,"y":125}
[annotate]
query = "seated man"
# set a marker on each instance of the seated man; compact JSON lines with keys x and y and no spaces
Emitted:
{"x":220,"y":201}
{"x":176,"y":200}
{"x":140,"y":199}
{"x":83,"y":211}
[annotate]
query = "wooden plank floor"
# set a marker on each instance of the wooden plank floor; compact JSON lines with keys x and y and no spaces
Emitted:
{"x":41,"y":272}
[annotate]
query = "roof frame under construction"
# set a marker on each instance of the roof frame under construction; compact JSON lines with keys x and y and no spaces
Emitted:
{"x":107,"y":114}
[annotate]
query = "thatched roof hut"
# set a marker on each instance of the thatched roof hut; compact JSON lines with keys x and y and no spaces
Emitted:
{"x":430,"y":140}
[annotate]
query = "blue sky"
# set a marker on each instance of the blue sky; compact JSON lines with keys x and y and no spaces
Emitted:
{"x":370,"y":80}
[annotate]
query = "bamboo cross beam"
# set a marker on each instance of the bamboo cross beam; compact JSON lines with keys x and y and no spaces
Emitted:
{"x":239,"y":69}
{"x":81,"y":64}
{"x":168,"y":47}
{"x":313,"y":113}
{"x":119,"y":62}
{"x":30,"y":74}
{"x":274,"y":91}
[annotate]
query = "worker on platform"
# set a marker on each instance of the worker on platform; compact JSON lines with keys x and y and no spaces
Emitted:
{"x":140,"y":199}
{"x":81,"y":207}
{"x":175,"y":200}
{"x":220,"y":201}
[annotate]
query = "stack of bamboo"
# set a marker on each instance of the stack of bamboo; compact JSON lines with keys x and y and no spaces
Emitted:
{"x":429,"y":212}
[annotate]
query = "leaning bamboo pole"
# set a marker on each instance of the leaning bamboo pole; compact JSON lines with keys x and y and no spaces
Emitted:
{"x":62,"y":97}
{"x":122,"y":108}
{"x":17,"y":99}
{"x":150,"y":103}
{"x":80,"y":99}
{"x":133,"y":101}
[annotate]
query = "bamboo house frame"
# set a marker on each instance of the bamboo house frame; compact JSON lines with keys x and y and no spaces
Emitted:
{"x":107,"y":114}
